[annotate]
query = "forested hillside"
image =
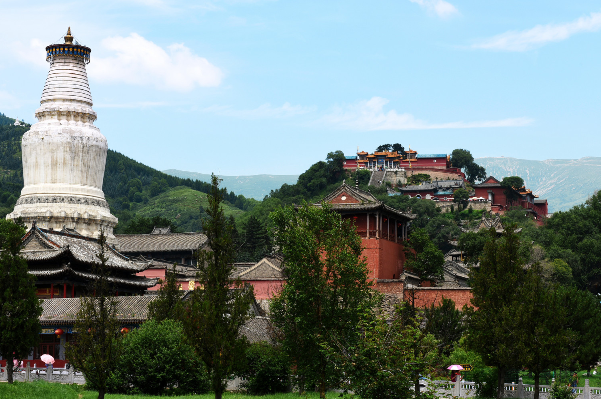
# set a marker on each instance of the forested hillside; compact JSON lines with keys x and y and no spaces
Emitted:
{"x":128,"y":185}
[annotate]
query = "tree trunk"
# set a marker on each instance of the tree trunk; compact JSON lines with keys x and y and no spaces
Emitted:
{"x":217,"y":387}
{"x":416,"y":381}
{"x":101,"y":393}
{"x":9,"y":369}
{"x":536,"y":383}
{"x":322,"y":382}
{"x":501,"y":383}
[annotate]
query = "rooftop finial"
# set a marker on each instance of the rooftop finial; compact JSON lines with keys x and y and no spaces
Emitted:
{"x":68,"y":37}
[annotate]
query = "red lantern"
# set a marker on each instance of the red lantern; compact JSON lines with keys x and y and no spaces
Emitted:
{"x":58,"y":332}
{"x":124,"y":330}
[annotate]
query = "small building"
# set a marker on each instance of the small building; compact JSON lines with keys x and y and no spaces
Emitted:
{"x":437,"y":190}
{"x":492,"y":190}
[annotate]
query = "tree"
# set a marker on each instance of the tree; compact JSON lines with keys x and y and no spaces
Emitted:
{"x":460,"y":196}
{"x":98,"y":346}
{"x":20,"y":308}
{"x":384,"y":148}
{"x":472,"y":245}
{"x":267,"y":369}
{"x":388,"y":357}
{"x":445,"y":323}
{"x":492,"y":329}
{"x":220,"y":305}
{"x":511,"y":184}
{"x":475,"y":172}
{"x":397,"y":147}
{"x":542,"y":345}
{"x":461,"y":158}
{"x":168,"y":304}
{"x":423,"y":257}
{"x":335,"y":166}
{"x":156,"y":360}
{"x":326,"y":290}
{"x":144,"y":225}
{"x":257,"y":243}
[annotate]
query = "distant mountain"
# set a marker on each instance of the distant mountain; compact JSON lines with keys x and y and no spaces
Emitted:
{"x":563,"y":182}
{"x":257,"y":186}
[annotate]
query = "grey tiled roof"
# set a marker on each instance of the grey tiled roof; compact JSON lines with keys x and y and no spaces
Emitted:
{"x":265,"y":269}
{"x":258,"y":329}
{"x":44,"y":245}
{"x":367,"y":202}
{"x":540,"y":201}
{"x":67,"y":270}
{"x":135,"y":243}
{"x":130,"y":309}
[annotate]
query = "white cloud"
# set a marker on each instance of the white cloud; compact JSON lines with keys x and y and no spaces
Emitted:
{"x":439,"y":7}
{"x":141,"y":62}
{"x":265,"y":111}
{"x":370,"y":115}
{"x":541,"y":34}
{"x":32,"y":53}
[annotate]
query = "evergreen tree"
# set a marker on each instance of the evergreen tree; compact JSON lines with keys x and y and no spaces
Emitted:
{"x":423,"y":257}
{"x":326,"y":290}
{"x":98,"y":345}
{"x":168,"y":304}
{"x":492,"y":329}
{"x":257,"y":243}
{"x":218,"y":309}
{"x":445,"y":322}
{"x":20,"y":308}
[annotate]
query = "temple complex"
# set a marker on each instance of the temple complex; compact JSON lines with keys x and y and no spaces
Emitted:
{"x":64,"y":154}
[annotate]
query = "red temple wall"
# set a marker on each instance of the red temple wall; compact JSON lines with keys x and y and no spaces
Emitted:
{"x":385,"y":259}
{"x":424,"y":297}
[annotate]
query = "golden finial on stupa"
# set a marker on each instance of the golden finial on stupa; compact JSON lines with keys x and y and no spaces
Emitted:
{"x":68,"y":37}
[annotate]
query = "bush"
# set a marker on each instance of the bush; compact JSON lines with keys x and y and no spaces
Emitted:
{"x":267,"y":370}
{"x":561,"y":390}
{"x":156,"y":361}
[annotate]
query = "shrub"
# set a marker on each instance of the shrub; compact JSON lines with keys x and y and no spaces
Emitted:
{"x":156,"y":360}
{"x":267,"y":370}
{"x":561,"y":390}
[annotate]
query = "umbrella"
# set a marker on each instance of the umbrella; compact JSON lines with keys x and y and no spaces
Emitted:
{"x":455,"y":367}
{"x":47,"y":359}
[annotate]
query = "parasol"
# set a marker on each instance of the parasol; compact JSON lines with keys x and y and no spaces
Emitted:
{"x":455,"y":367}
{"x":47,"y":359}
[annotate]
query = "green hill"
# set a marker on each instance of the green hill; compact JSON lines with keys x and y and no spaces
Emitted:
{"x":129,"y":186}
{"x":255,"y":186}
{"x":182,"y":205}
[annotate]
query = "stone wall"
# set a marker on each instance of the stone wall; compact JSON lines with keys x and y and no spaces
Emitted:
{"x":477,"y":206}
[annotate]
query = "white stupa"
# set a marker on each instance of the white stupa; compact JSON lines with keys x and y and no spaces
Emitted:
{"x":64,"y":154}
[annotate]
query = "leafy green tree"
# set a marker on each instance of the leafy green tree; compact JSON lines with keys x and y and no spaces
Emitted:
{"x":461,"y":158}
{"x":219,"y":307}
{"x":511,"y":184}
{"x":168,"y":304}
{"x":472,"y":245}
{"x":397,"y":147}
{"x":475,"y":172}
{"x":583,"y":318}
{"x":267,"y":369}
{"x":384,"y":147}
{"x":445,"y":323}
{"x":460,"y":196}
{"x":388,"y":356}
{"x":98,"y":346}
{"x":156,"y":360}
{"x":335,"y":166}
{"x":326,"y":290}
{"x":143,"y":225}
{"x":418,"y":178}
{"x":423,"y":257}
{"x":20,"y":307}
{"x":492,"y":329}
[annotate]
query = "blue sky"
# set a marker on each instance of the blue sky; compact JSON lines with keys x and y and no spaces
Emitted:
{"x":250,"y":87}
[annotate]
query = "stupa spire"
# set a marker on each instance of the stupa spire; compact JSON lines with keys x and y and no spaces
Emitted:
{"x":64,"y":154}
{"x":68,"y":37}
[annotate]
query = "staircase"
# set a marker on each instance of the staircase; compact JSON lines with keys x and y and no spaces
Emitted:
{"x":377,"y":178}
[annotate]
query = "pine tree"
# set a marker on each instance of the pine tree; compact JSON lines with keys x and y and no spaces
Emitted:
{"x":20,"y":308}
{"x":257,"y":243}
{"x":98,"y":345}
{"x":220,"y":306}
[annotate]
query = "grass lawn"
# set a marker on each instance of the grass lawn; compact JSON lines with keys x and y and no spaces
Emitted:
{"x":46,"y":390}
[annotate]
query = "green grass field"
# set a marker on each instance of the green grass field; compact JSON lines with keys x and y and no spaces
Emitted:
{"x":46,"y":390}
